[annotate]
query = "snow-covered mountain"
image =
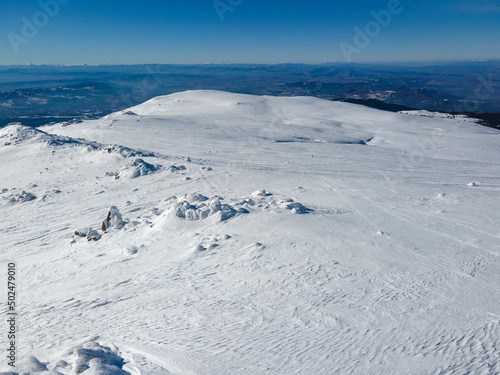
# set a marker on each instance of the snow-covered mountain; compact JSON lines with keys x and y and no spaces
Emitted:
{"x":213,"y":233}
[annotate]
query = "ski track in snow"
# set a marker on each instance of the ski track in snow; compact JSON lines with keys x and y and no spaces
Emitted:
{"x":259,"y":235}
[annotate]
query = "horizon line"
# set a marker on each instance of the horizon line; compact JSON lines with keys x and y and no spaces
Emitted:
{"x":265,"y":64}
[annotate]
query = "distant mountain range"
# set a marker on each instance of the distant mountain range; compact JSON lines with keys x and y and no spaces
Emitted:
{"x":37,"y":95}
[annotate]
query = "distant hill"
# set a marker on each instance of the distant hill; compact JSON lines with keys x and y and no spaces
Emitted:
{"x":34,"y":95}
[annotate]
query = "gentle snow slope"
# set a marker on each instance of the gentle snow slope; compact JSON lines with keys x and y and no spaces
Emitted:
{"x":252,"y":235}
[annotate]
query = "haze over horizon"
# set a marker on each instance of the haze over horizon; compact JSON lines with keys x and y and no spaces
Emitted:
{"x":234,"y":31}
{"x":380,"y":63}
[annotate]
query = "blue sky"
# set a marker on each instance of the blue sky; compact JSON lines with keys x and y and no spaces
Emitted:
{"x":253,"y":31}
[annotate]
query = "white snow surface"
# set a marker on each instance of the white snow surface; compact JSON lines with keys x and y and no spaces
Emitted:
{"x":253,"y":235}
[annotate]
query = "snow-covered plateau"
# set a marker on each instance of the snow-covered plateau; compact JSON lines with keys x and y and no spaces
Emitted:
{"x":206,"y":232}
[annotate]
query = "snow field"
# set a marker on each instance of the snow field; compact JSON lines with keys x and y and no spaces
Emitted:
{"x":253,"y":235}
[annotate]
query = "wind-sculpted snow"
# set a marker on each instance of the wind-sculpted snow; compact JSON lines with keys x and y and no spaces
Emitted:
{"x":90,"y":358}
{"x":16,"y":134}
{"x":16,"y":197}
{"x":188,"y":211}
{"x":136,"y":168}
{"x":254,"y":235}
{"x":196,"y":207}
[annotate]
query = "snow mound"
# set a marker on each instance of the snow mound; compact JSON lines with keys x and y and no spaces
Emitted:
{"x":136,"y":168}
{"x":296,"y":208}
{"x":94,"y":359}
{"x":210,"y":243}
{"x":90,"y":358}
{"x":19,"y":197}
{"x":188,"y":211}
{"x":261,"y":193}
{"x":196,"y":208}
{"x":48,"y":193}
{"x":89,"y":233}
{"x":132,"y":250}
{"x":31,"y":365}
{"x":176,"y":168}
{"x":262,"y":199}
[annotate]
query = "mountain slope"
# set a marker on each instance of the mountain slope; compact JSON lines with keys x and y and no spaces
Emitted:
{"x":253,"y":235}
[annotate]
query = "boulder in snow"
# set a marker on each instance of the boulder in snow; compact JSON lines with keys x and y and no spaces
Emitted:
{"x":113,"y":219}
